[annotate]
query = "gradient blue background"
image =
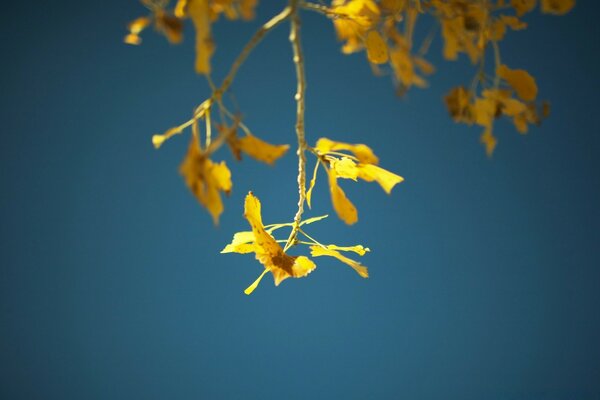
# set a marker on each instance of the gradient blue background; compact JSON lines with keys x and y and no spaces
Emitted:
{"x":484,"y":273}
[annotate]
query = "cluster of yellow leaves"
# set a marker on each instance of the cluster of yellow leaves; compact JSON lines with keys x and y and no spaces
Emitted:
{"x":468,"y":26}
{"x":361,"y":163}
{"x":271,"y":255}
{"x":365,"y":24}
{"x":205,"y":178}
{"x":202,"y":13}
{"x":495,"y":102}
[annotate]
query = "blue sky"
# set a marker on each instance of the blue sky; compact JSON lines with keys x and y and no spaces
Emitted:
{"x":484,"y":273}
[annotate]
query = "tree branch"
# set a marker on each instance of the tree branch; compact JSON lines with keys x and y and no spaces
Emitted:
{"x":301,"y":88}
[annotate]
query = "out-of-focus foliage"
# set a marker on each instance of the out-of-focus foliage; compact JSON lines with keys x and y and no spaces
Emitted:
{"x":385,"y":31}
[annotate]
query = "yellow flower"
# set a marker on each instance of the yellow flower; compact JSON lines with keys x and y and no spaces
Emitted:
{"x":268,"y":252}
{"x":206,"y":179}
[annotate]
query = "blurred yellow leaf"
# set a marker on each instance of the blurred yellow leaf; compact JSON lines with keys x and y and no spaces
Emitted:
{"x":198,"y":11}
{"x":206,"y":179}
{"x":523,"y":6}
{"x":520,"y":81}
{"x":557,"y":7}
{"x":377,"y":51}
{"x":261,"y":150}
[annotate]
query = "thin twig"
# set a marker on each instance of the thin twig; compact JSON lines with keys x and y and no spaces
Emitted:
{"x":301,"y":88}
{"x":258,"y":36}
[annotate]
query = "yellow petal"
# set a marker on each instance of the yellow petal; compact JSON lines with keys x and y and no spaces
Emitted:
{"x":261,"y":150}
{"x":557,"y":7}
{"x":361,"y":151}
{"x":317,"y":251}
{"x":386,"y":179}
{"x":377,"y":50}
{"x":520,"y":81}
{"x":251,"y":288}
{"x":342,"y":206}
{"x":199,"y":12}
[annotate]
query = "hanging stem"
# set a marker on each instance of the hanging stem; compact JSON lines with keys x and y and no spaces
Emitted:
{"x":301,"y":88}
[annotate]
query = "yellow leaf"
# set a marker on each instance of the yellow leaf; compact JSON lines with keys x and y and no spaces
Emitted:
{"x":313,"y":181}
{"x":206,"y":179}
{"x":344,"y":168}
{"x":135,"y":27}
{"x":242,"y":243}
{"x":358,"y":249}
{"x":170,"y":26}
{"x":523,"y":6}
{"x":484,"y":111}
{"x":489,"y":141}
{"x":513,"y":22}
{"x":520,"y":81}
{"x":386,"y":179}
{"x":377,"y":50}
{"x":392,"y":6}
{"x":247,"y":8}
{"x":261,"y":150}
{"x":457,"y":102}
{"x":181,"y":8}
{"x":254,"y":284}
{"x":557,"y":7}
{"x":199,"y":12}
{"x":268,"y":252}
{"x":361,"y":151}
{"x":342,"y":206}
{"x":317,"y":251}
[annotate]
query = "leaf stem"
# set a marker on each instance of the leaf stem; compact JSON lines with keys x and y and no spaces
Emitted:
{"x":300,"y":107}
